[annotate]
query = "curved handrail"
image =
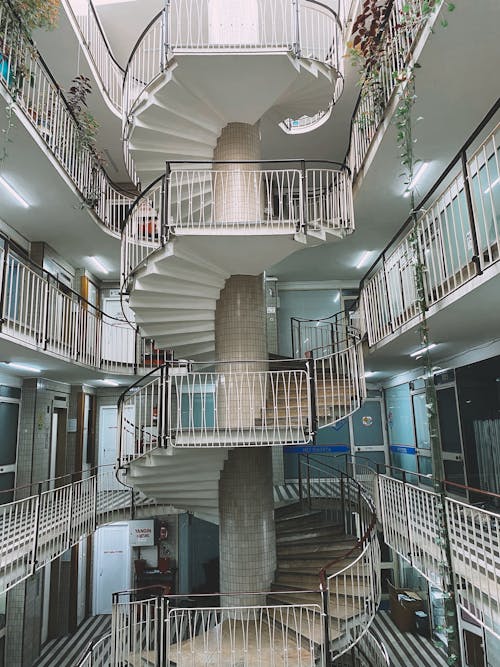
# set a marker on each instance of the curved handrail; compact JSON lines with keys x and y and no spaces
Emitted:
{"x":45,"y":106}
{"x":310,"y":123}
{"x":107,"y":67}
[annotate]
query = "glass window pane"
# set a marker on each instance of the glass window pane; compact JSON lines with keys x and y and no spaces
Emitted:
{"x":8,"y":428}
{"x":448,"y":420}
{"x":7,"y":481}
{"x":367,"y":425}
{"x":421,"y":421}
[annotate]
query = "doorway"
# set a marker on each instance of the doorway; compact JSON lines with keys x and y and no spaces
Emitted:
{"x":112,"y":565}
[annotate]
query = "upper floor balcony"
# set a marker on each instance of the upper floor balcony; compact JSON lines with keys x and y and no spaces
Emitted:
{"x":452,"y":240}
{"x":38,"y":313}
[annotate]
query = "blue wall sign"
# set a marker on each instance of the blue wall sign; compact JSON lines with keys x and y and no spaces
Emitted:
{"x":318,"y":449}
{"x":401,"y":449}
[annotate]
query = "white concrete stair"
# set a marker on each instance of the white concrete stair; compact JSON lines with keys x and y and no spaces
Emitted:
{"x":180,"y":115}
{"x":174,"y":298}
{"x":186,"y":480}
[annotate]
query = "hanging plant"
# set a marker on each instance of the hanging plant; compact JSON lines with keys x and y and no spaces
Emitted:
{"x":80,"y":89}
{"x":37,"y":14}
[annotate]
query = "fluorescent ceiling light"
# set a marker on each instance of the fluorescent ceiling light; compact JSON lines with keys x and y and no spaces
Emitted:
{"x":24,"y":367}
{"x":337,"y":298}
{"x":99,"y":265}
{"x":492,"y":185}
{"x":416,"y":178}
{"x":111,"y":383}
{"x":364,"y":259}
{"x":368,"y":374}
{"x":419,"y":353}
{"x":13,"y":192}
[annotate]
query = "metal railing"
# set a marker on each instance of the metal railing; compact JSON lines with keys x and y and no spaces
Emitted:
{"x":172,"y":630}
{"x":412,"y":517}
{"x":97,"y":654}
{"x":351,"y":580}
{"x":110,"y":74}
{"x":398,"y":39}
{"x":46,"y":519}
{"x":305,"y":27}
{"x":240,"y":403}
{"x":370,"y":652}
{"x":28,"y":80}
{"x":455,"y":238}
{"x":40,"y":312}
{"x":334,"y":331}
{"x":192,"y":198}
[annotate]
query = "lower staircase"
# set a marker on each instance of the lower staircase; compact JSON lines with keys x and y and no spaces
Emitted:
{"x":307,"y":540}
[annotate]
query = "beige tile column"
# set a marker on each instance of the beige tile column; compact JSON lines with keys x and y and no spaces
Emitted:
{"x":246,"y":505}
{"x":247,"y":533}
{"x":238,"y":191}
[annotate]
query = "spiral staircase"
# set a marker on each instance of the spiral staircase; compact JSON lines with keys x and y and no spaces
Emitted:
{"x":198,"y":68}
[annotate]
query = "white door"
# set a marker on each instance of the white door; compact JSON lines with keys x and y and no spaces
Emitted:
{"x":112,"y":566}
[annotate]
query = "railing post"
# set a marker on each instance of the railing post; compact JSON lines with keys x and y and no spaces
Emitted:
{"x":37,"y":528}
{"x":342,"y":500}
{"x":297,"y":28}
{"x":3,"y":287}
{"x":165,"y":222}
{"x":476,"y":257}
{"x":166,"y":34}
{"x":312,"y":391}
{"x":326,"y":623}
{"x":303,"y":210}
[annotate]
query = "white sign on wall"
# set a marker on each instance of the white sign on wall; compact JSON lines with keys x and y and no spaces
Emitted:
{"x":141,"y":533}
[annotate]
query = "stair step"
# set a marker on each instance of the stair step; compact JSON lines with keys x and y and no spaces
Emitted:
{"x":326,"y":531}
{"x":303,"y":525}
{"x":316,"y":549}
{"x":296,"y":580}
{"x":340,"y":607}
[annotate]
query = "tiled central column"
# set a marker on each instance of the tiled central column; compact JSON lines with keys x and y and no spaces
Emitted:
{"x":246,"y":505}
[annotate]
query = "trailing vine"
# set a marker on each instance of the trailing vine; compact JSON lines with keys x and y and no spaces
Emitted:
{"x":368,"y":50}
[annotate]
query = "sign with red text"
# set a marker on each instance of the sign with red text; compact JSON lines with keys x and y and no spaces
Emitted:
{"x":142,"y":533}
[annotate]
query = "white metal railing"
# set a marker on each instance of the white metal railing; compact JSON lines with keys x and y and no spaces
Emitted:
{"x":239,"y":406}
{"x":339,"y":383}
{"x":412,"y":517}
{"x":371,"y":652}
{"x":202,"y":199}
{"x":156,"y":631}
{"x":447,"y":241}
{"x":83,"y":14}
{"x":39,"y":312}
{"x":98,"y":653}
{"x":398,"y":40}
{"x":352,"y":581}
{"x":24,"y":74}
{"x":240,"y":403}
{"x":308,"y":28}
{"x":50,"y":517}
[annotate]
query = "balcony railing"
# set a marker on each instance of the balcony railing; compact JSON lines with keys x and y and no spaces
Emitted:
{"x":240,"y":403}
{"x":46,"y":519}
{"x":457,"y":237}
{"x":398,"y":40}
{"x":93,"y":38}
{"x":305,"y":27}
{"x":27,"y":79}
{"x":38,"y":311}
{"x":412,"y":517}
{"x":98,"y":653}
{"x":195,"y":200}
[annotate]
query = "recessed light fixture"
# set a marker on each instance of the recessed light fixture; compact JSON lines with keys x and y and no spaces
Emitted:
{"x":420,"y":352}
{"x":492,"y":185}
{"x":23,"y":367}
{"x":364,"y":259}
{"x":416,"y":178}
{"x":111,"y":383}
{"x":14,"y":193}
{"x":99,"y":264}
